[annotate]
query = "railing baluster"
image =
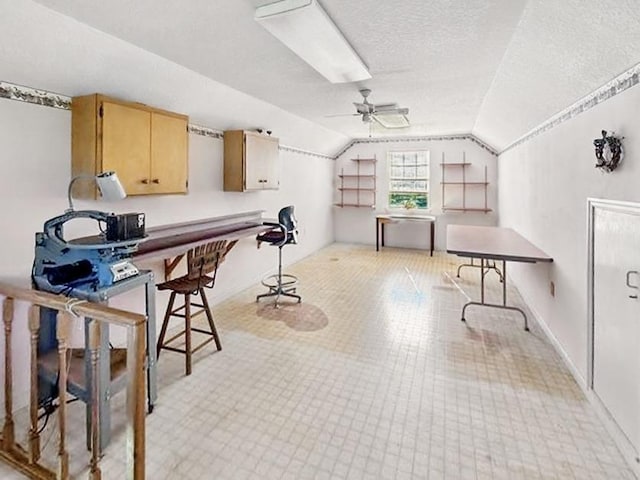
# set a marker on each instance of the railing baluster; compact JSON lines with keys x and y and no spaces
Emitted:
{"x":94,"y":351}
{"x":62,"y":333}
{"x":8,"y":436}
{"x":28,"y":462}
{"x":34,"y":436}
{"x":135,"y":402}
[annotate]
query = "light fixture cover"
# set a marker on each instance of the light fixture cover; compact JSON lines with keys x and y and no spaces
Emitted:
{"x":304,"y":27}
{"x":108,"y":183}
{"x":394,"y":120}
{"x":110,"y":187}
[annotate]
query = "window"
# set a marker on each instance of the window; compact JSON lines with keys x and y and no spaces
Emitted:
{"x":408,"y":179}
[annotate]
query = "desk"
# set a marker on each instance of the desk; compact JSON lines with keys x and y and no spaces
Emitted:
{"x":497,"y":244}
{"x":171,"y":242}
{"x":381,"y":220}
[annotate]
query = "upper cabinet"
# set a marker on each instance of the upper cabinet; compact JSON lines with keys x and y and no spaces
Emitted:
{"x":145,"y":146}
{"x":251,"y":161}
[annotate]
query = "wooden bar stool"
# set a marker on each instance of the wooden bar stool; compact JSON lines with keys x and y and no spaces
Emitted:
{"x":201,"y":262}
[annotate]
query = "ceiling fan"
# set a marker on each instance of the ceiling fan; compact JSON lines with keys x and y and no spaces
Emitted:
{"x":388,"y":115}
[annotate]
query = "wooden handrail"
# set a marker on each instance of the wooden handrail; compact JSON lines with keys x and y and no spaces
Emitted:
{"x":99,"y":312}
{"x":27,"y":460}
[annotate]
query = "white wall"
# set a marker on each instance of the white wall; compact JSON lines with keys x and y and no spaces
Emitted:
{"x":35,"y":145}
{"x":357,"y":225}
{"x":42,"y":49}
{"x":35,"y":153}
{"x":543,"y":189}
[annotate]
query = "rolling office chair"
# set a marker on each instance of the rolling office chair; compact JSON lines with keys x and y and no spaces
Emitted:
{"x":201,"y":261}
{"x":281,"y":284}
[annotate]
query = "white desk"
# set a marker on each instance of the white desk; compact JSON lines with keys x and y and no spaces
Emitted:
{"x":381,"y":220}
{"x":493,"y":243}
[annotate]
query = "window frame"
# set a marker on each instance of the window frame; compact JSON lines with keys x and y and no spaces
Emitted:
{"x":426,"y":192}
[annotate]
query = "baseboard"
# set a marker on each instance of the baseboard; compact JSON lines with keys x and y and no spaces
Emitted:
{"x":577,"y":376}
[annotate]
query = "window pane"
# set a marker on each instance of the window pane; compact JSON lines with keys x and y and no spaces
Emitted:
{"x":408,"y":179}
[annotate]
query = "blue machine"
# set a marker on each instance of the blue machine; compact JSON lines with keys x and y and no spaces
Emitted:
{"x":86,"y":264}
{"x":79,"y":268}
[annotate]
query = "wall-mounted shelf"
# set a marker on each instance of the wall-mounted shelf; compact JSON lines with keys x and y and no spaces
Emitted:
{"x":358,"y":189}
{"x":463,"y":184}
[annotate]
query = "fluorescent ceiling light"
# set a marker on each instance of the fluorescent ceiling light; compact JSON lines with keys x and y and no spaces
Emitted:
{"x":304,"y":27}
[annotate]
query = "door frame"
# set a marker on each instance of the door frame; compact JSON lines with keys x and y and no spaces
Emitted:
{"x":623,"y":443}
{"x":593,"y":205}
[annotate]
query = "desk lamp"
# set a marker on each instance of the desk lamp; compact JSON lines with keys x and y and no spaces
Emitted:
{"x":108,"y":184}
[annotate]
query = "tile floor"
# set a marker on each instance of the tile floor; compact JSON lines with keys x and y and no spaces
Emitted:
{"x":373,"y":376}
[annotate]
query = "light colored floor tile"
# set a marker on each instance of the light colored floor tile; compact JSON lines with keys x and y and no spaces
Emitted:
{"x":372,"y":376}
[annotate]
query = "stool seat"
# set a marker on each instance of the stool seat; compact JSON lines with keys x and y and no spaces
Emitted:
{"x":201,"y":261}
{"x":185,"y":284}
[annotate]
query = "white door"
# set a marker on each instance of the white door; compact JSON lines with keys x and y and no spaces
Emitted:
{"x":616,"y":316}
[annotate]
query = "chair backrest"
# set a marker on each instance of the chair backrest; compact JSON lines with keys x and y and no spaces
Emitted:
{"x":287,"y":218}
{"x":205,"y":259}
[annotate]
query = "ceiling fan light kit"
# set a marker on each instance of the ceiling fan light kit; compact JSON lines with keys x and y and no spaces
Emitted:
{"x":387,"y":115}
{"x":305,"y":28}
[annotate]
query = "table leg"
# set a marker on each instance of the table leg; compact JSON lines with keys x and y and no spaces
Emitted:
{"x":504,"y":284}
{"x":432,"y":235}
{"x":482,"y":280}
{"x":152,"y":378}
{"x":377,"y":234}
{"x":482,"y":303}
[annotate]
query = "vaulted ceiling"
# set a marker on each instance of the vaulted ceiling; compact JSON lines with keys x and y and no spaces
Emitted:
{"x":495,"y":68}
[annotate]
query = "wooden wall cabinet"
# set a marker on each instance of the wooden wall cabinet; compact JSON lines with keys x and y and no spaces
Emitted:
{"x":147,"y":147}
{"x":251,"y":161}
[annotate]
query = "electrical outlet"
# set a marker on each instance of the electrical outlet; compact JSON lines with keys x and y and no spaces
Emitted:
{"x":552,"y":288}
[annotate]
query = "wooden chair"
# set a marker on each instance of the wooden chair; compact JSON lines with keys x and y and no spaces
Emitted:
{"x":202,"y":261}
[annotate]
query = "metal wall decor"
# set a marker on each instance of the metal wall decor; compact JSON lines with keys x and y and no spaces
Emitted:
{"x":608,"y":152}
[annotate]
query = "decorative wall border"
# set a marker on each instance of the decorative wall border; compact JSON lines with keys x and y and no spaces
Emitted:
{"x":425,"y":138}
{"x":48,"y":99}
{"x":21,"y":93}
{"x":204,"y":131}
{"x":11,"y":91}
{"x":607,"y":91}
{"x":287,"y":148}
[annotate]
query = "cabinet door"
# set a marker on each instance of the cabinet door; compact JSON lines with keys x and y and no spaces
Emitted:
{"x":616,"y":322}
{"x":169,"y":145}
{"x":126,"y":146}
{"x":261,"y":162}
{"x":272,"y":166}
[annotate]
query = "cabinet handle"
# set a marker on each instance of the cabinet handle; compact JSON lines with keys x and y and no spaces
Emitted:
{"x":629,"y":284}
{"x":156,"y":181}
{"x":145,"y":181}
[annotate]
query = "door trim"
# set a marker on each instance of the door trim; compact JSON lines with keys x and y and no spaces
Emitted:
{"x":621,"y":440}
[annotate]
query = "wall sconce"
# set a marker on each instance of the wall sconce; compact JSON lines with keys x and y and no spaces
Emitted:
{"x":608,"y":152}
{"x":108,"y":183}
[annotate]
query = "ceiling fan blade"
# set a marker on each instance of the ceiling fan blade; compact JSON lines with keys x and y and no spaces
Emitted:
{"x":342,"y":115}
{"x":380,"y":107}
{"x":395,"y":111}
{"x":363,"y":107}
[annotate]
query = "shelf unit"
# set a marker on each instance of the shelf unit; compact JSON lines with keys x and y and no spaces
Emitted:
{"x":462,"y":184}
{"x":358,"y":189}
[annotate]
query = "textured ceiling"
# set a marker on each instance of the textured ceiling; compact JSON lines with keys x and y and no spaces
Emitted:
{"x":496,"y":68}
